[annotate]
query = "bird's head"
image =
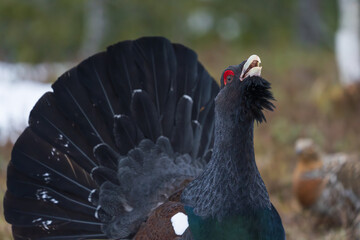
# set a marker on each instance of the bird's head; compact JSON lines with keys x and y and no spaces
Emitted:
{"x":244,"y":93}
{"x":306,"y":150}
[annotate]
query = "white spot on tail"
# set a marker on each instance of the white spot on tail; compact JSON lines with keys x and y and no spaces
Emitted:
{"x":36,"y":220}
{"x":46,"y":224}
{"x":46,"y":177}
{"x":92,"y":170}
{"x":97,"y":212}
{"x":136,"y":91}
{"x":180,"y":223}
{"x":90,"y":195}
{"x":188,"y":98}
{"x":118,"y":116}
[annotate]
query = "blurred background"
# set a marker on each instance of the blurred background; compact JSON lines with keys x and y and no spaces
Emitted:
{"x":310,"y":52}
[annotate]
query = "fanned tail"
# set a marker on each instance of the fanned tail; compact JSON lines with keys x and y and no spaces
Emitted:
{"x":118,"y":133}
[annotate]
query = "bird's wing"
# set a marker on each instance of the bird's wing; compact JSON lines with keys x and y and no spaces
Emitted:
{"x":108,"y":143}
{"x":338,"y":200}
{"x":349,"y":176}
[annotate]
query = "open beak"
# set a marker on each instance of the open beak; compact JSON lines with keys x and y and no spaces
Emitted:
{"x":251,"y":67}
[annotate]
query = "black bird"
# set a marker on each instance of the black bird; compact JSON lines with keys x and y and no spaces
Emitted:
{"x":109,"y":154}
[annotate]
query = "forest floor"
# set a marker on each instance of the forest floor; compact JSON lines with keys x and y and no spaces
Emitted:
{"x":309,"y":103}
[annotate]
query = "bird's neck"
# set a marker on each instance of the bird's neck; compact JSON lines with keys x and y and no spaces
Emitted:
{"x":234,"y":156}
{"x":231,"y":182}
{"x":234,"y":142}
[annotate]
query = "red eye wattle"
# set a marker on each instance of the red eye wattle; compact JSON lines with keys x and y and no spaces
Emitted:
{"x":228,"y":76}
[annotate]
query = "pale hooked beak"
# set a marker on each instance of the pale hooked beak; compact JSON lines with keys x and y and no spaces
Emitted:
{"x":251,"y":67}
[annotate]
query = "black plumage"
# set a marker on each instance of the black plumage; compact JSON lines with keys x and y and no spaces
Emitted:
{"x":110,"y":142}
{"x":115,"y":144}
{"x":229,"y":199}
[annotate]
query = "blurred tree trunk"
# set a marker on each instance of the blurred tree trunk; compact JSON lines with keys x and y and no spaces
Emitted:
{"x":347,"y":41}
{"x":94,"y":27}
{"x":311,"y":29}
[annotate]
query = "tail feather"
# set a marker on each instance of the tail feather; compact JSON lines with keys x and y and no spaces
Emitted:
{"x":168,"y":115}
{"x":93,"y":76}
{"x":49,"y":166}
{"x":202,"y":92}
{"x":77,"y":106}
{"x":155,"y":60}
{"x":25,"y":212}
{"x":47,"y":121}
{"x":127,"y":134}
{"x":144,"y":112}
{"x":103,"y":174}
{"x":197,"y":128}
{"x":186,"y":70}
{"x":124,"y":74}
{"x":25,"y":187}
{"x":106,"y":156}
{"x":96,"y":157}
{"x":23,"y":233}
{"x":182,"y":138}
{"x":207,"y":123}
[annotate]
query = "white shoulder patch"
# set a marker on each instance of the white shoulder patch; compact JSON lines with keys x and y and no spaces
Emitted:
{"x":180,"y":223}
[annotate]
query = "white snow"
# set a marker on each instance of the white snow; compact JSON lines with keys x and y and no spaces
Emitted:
{"x":21,"y":85}
{"x":180,"y":223}
{"x":16,"y":101}
{"x":347,"y":41}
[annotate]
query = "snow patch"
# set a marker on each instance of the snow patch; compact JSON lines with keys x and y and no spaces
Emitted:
{"x":16,"y":101}
{"x":180,"y":223}
{"x":21,"y":85}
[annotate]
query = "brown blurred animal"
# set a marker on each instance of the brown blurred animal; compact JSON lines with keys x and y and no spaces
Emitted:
{"x":328,"y":185}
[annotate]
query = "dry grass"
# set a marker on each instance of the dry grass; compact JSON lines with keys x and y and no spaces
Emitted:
{"x":306,"y":87}
{"x":5,"y":229}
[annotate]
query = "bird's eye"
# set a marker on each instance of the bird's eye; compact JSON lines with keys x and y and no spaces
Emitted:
{"x":228,"y":76}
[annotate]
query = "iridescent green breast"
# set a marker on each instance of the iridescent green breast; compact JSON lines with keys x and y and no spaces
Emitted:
{"x":264,"y":224}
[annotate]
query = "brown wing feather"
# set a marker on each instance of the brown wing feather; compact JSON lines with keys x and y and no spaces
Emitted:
{"x":158,"y":226}
{"x":349,"y":175}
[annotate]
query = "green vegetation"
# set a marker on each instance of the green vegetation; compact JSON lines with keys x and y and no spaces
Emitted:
{"x":40,"y":30}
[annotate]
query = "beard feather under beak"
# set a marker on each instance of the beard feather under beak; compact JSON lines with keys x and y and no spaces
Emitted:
{"x":251,"y":67}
